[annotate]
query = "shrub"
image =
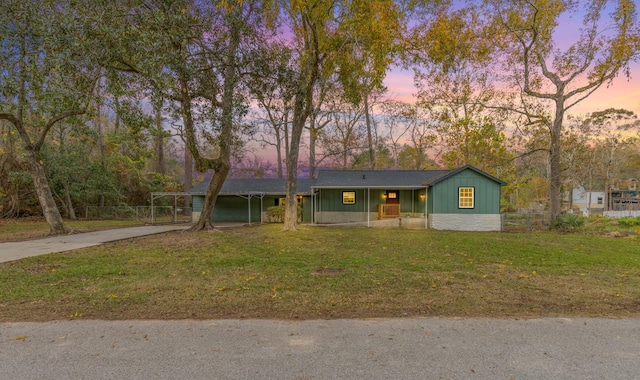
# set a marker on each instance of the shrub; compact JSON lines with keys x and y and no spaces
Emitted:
{"x":568,"y":222}
{"x":275,"y":214}
{"x":629,"y":222}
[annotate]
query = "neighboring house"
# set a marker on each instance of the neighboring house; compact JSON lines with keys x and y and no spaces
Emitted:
{"x":615,"y":203}
{"x":587,"y":201}
{"x":460,"y":199}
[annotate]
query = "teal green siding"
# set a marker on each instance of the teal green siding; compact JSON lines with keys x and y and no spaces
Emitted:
{"x":430,"y":200}
{"x":196,"y":203}
{"x":271,"y":200}
{"x":331,"y":200}
{"x":232,"y":208}
{"x":443,"y":196}
{"x":236,"y":209}
{"x":419,"y":201}
{"x":377,"y":198}
{"x":306,"y":209}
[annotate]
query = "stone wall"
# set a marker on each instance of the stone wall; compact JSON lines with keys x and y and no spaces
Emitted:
{"x":337,"y":217}
{"x":412,"y":223}
{"x":465,"y":222}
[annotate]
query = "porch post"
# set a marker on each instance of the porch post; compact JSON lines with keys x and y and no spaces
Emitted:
{"x":249,"y":208}
{"x":413,"y":198}
{"x":426,"y":220}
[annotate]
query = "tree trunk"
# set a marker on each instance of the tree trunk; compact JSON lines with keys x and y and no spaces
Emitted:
{"x":279,"y":152}
{"x":188,"y":177}
{"x":570,"y":194}
{"x":291,"y":205}
{"x":210,"y":198}
{"x":313,"y":136}
{"x":160,"y":166}
{"x":45,"y":197}
{"x":301,"y":112}
{"x":372,"y":157}
{"x":101,"y":143}
{"x":555,"y":165}
{"x":71,"y":213}
{"x":221,"y":165}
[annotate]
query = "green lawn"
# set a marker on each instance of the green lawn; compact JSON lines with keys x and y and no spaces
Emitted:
{"x":261,"y":272}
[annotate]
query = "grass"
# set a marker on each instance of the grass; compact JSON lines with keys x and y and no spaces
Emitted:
{"x":35,"y":228}
{"x":261,"y":272}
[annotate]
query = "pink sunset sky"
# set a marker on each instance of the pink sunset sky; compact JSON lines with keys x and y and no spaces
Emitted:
{"x":621,"y":93}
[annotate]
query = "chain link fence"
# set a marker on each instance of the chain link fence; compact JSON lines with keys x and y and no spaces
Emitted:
{"x":513,"y":222}
{"x":157,"y":214}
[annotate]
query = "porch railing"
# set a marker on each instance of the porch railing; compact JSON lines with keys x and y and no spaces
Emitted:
{"x":388,"y":211}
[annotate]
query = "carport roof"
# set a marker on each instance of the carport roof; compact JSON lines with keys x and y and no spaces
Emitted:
{"x":242,"y":186}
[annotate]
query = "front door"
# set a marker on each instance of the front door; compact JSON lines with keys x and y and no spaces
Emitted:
{"x":393,"y":198}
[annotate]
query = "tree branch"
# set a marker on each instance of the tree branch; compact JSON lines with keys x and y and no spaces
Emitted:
{"x":529,"y":153}
{"x":10,"y":118}
{"x":53,"y":121}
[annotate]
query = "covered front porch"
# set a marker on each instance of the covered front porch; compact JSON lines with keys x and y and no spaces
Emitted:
{"x":371,"y":206}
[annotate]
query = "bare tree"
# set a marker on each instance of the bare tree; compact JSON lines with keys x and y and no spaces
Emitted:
{"x":608,"y":41}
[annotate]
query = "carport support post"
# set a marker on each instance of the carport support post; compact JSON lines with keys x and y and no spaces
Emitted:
{"x":313,"y":205}
{"x":152,"y":214}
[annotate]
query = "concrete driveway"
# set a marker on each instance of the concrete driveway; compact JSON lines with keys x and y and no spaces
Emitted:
{"x":18,"y":250}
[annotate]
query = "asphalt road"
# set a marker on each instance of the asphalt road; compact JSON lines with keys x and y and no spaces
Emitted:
{"x":336,"y":349}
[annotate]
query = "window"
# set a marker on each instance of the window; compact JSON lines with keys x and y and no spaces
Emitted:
{"x":348,"y":197}
{"x":600,"y":200}
{"x":283,"y":201}
{"x":465,"y":197}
